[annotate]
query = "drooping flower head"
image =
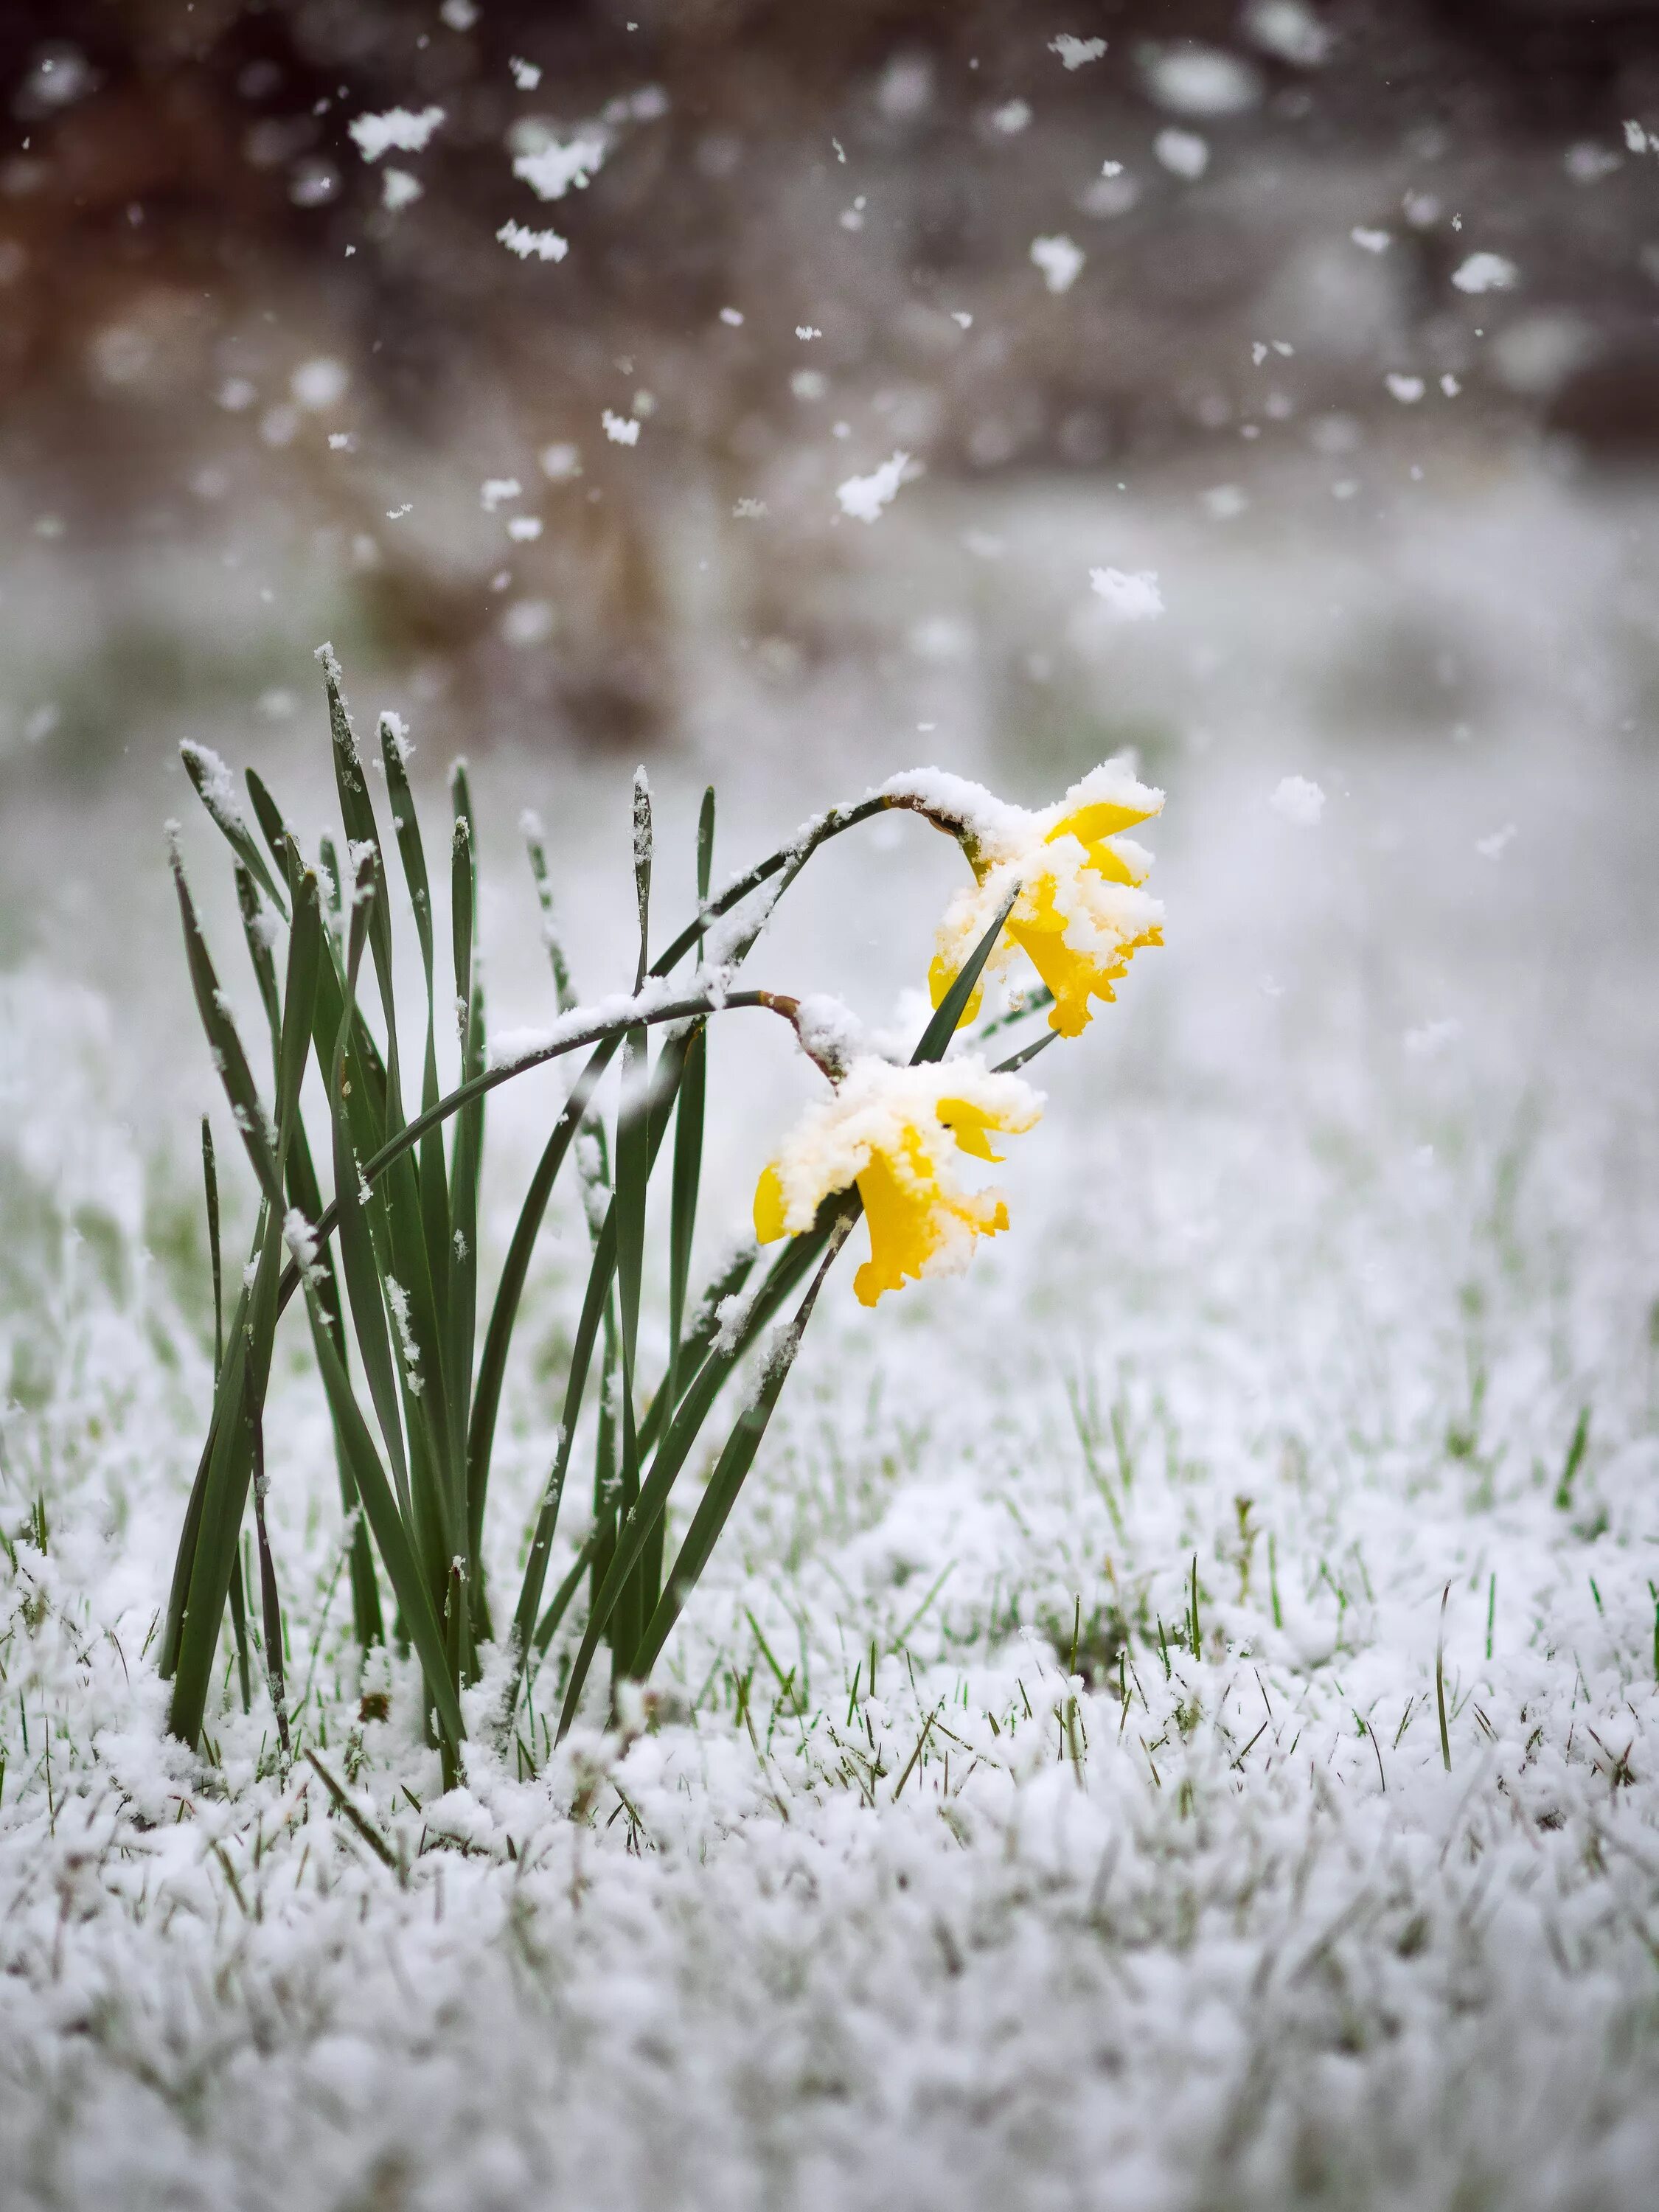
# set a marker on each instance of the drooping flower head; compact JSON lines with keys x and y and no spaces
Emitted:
{"x":1081,"y":914}
{"x":889,"y":1130}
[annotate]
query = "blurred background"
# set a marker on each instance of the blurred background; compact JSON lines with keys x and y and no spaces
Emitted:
{"x":523,"y":350}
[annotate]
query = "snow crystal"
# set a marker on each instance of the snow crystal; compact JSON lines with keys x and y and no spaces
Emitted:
{"x":1183,"y":153}
{"x":214,"y":780}
{"x":301,"y":1240}
{"x":1225,"y":501}
{"x":1297,"y":801}
{"x":525,"y":75}
{"x":1130,"y":597}
{"x":1374,"y":241}
{"x":399,"y":189}
{"x":1407,"y":390}
{"x":528,"y":622}
{"x":321,"y":384}
{"x":539,"y":245}
{"x":807,"y":331}
{"x":1011,"y":118}
{"x":562,"y":165}
{"x":1289,"y":29}
{"x":1194,"y":80}
{"x":496,"y":490}
{"x":1487,"y":272}
{"x":1075,"y":52}
{"x":560,"y":462}
{"x":733,"y":318}
{"x":1429,"y":1039}
{"x":395,"y":731}
{"x":864,"y":498}
{"x":1060,"y":261}
{"x":397,"y":128}
{"x":621,"y":429}
{"x":523,"y":529}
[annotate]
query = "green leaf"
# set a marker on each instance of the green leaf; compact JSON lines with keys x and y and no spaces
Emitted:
{"x":732,"y":1467}
{"x":947,"y":1016}
{"x":212,"y":780}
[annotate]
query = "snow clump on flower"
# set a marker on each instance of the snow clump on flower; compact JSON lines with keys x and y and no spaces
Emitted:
{"x":1080,"y":914}
{"x":883,"y":1128}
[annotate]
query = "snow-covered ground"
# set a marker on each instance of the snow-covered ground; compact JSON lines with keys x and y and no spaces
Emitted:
{"x":942,"y":1872}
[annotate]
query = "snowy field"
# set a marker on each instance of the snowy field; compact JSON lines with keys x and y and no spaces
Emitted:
{"x":949,"y":1866}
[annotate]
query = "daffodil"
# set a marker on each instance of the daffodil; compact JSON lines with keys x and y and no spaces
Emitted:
{"x":889,"y":1130}
{"x":1081,"y":914}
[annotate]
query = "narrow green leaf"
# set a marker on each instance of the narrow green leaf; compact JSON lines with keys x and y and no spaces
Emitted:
{"x":492,"y":1366}
{"x":634,"y":1537}
{"x":732,"y":1469}
{"x":403,"y":1570}
{"x":642,"y":867}
{"x":212,"y":780}
{"x":210,"y":1185}
{"x":948,"y":1015}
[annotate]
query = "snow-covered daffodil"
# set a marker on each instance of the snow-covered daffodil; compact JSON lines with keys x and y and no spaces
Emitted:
{"x":1081,"y":914}
{"x":891,"y":1130}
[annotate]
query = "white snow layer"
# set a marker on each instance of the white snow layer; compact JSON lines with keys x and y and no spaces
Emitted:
{"x":1057,"y":1910}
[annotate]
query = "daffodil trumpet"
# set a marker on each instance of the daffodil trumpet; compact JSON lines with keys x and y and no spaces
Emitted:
{"x":1082,"y":912}
{"x":893,"y":1132}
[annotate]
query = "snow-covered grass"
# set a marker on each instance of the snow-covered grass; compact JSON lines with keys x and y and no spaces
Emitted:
{"x":1174,"y":1728}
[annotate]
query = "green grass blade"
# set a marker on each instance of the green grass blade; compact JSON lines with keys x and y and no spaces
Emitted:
{"x":212,"y":780}
{"x":326,"y":1311}
{"x":642,"y":867}
{"x":255,"y":929}
{"x":550,"y":936}
{"x":210,"y":1189}
{"x":253,"y":1123}
{"x":687,"y":1175}
{"x":364,"y":1281}
{"x":492,"y":1365}
{"x":391,"y":1538}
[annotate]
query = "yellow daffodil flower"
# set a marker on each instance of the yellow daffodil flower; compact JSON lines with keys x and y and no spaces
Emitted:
{"x":885,"y":1129}
{"x":1081,"y":914}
